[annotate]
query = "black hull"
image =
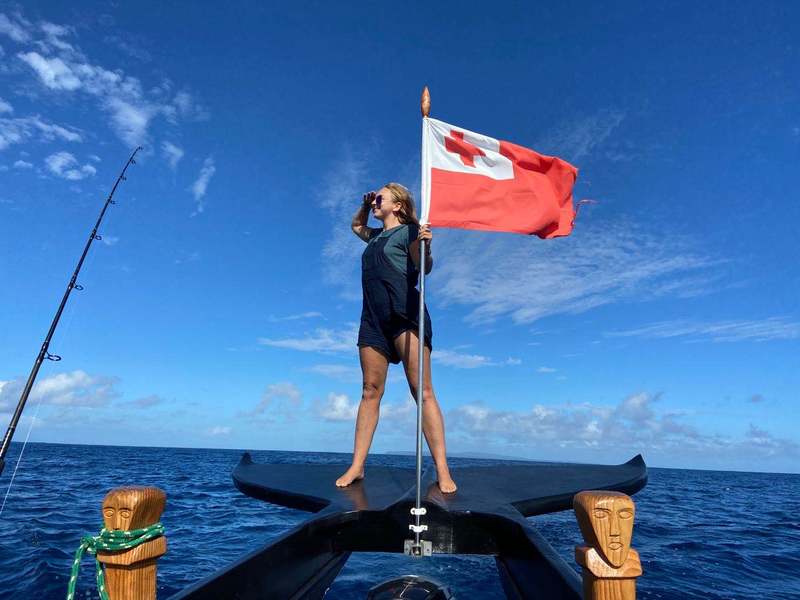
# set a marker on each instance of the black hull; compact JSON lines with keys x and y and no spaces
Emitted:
{"x":486,"y":516}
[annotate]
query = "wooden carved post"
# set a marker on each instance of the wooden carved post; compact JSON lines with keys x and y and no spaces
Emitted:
{"x":131,"y":574}
{"x":610,"y":565}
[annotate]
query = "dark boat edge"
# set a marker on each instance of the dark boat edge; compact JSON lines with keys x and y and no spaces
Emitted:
{"x":560,"y":502}
{"x":303,"y":562}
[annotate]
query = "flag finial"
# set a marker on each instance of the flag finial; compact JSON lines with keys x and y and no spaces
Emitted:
{"x":425,"y":102}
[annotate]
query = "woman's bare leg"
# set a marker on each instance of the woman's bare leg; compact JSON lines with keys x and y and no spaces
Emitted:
{"x":373,"y":367}
{"x":407,"y":344}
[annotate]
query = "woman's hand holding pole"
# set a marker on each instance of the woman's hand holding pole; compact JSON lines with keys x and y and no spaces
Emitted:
{"x":413,"y":247}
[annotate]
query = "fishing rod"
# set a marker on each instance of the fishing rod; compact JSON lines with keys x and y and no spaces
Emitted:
{"x":44,"y":353}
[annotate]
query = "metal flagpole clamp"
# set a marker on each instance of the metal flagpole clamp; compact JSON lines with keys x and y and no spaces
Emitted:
{"x":424,"y":548}
{"x":418,"y":511}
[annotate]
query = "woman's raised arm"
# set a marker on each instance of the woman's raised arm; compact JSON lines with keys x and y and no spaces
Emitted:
{"x":359,"y":224}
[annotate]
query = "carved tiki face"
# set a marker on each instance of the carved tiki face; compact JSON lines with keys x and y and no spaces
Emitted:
{"x":132,"y":507}
{"x":606,"y":522}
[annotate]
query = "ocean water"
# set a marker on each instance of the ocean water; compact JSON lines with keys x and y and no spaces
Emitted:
{"x":700,"y":534}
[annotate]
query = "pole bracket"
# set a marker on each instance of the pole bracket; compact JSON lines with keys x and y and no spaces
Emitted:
{"x":418,"y":528}
{"x":411,"y":548}
{"x":418,"y":511}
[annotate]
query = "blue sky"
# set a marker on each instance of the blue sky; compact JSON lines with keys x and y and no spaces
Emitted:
{"x":221,"y":307}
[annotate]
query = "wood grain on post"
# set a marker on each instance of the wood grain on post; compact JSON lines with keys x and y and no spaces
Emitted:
{"x":131,"y":574}
{"x":610,"y":565}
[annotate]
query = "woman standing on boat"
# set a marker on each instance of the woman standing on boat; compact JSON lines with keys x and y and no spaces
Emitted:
{"x":389,"y":322}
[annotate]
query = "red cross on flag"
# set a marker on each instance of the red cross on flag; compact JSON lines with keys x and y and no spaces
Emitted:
{"x":472,"y":181}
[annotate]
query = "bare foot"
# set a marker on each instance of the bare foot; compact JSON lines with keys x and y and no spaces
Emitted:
{"x":352,"y":474}
{"x":446,"y":483}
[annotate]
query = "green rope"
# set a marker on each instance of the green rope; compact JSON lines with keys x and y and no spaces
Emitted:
{"x":109,"y":540}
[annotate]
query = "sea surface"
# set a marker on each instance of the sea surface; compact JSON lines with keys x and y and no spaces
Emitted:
{"x":700,"y":534}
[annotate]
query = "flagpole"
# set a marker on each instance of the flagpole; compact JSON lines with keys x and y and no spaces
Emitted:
{"x":419,"y":548}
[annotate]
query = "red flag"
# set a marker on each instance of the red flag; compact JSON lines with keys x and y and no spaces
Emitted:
{"x":472,"y":181}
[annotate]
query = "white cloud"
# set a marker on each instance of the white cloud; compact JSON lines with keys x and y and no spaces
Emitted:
{"x":296,"y":317}
{"x":219,"y":430}
{"x":183,"y":102}
{"x":634,"y":425}
{"x":146,"y":401}
{"x":338,"y":372}
{"x":110,"y":240}
{"x":200,"y":185}
{"x":341,"y":195}
{"x":59,"y":161}
{"x":459,"y":360}
{"x":338,"y":407}
{"x":54,"y":73}
{"x":131,"y":45}
{"x":187,"y":107}
{"x":51,"y":131}
{"x":61,"y":67}
{"x":5,"y":107}
{"x":584,"y":425}
{"x":22,"y":164}
{"x":76,"y":388}
{"x":22,"y":129}
{"x":54,"y":33}
{"x":580,"y":136}
{"x":320,"y":340}
{"x":172,"y":153}
{"x":546,"y":370}
{"x":528,"y":279}
{"x":402,"y":412}
{"x":187,"y":257}
{"x":766,"y":444}
{"x":130,"y":119}
{"x":14,"y":28}
{"x":278,"y":399}
{"x":66,"y":166}
{"x":774,"y":328}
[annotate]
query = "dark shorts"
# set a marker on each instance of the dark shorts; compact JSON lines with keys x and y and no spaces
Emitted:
{"x":382,"y":337}
{"x":390,"y":306}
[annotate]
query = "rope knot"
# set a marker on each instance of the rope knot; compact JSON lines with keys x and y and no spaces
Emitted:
{"x":108,"y":540}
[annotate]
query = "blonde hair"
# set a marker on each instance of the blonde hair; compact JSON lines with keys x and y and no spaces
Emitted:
{"x":407,"y":212}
